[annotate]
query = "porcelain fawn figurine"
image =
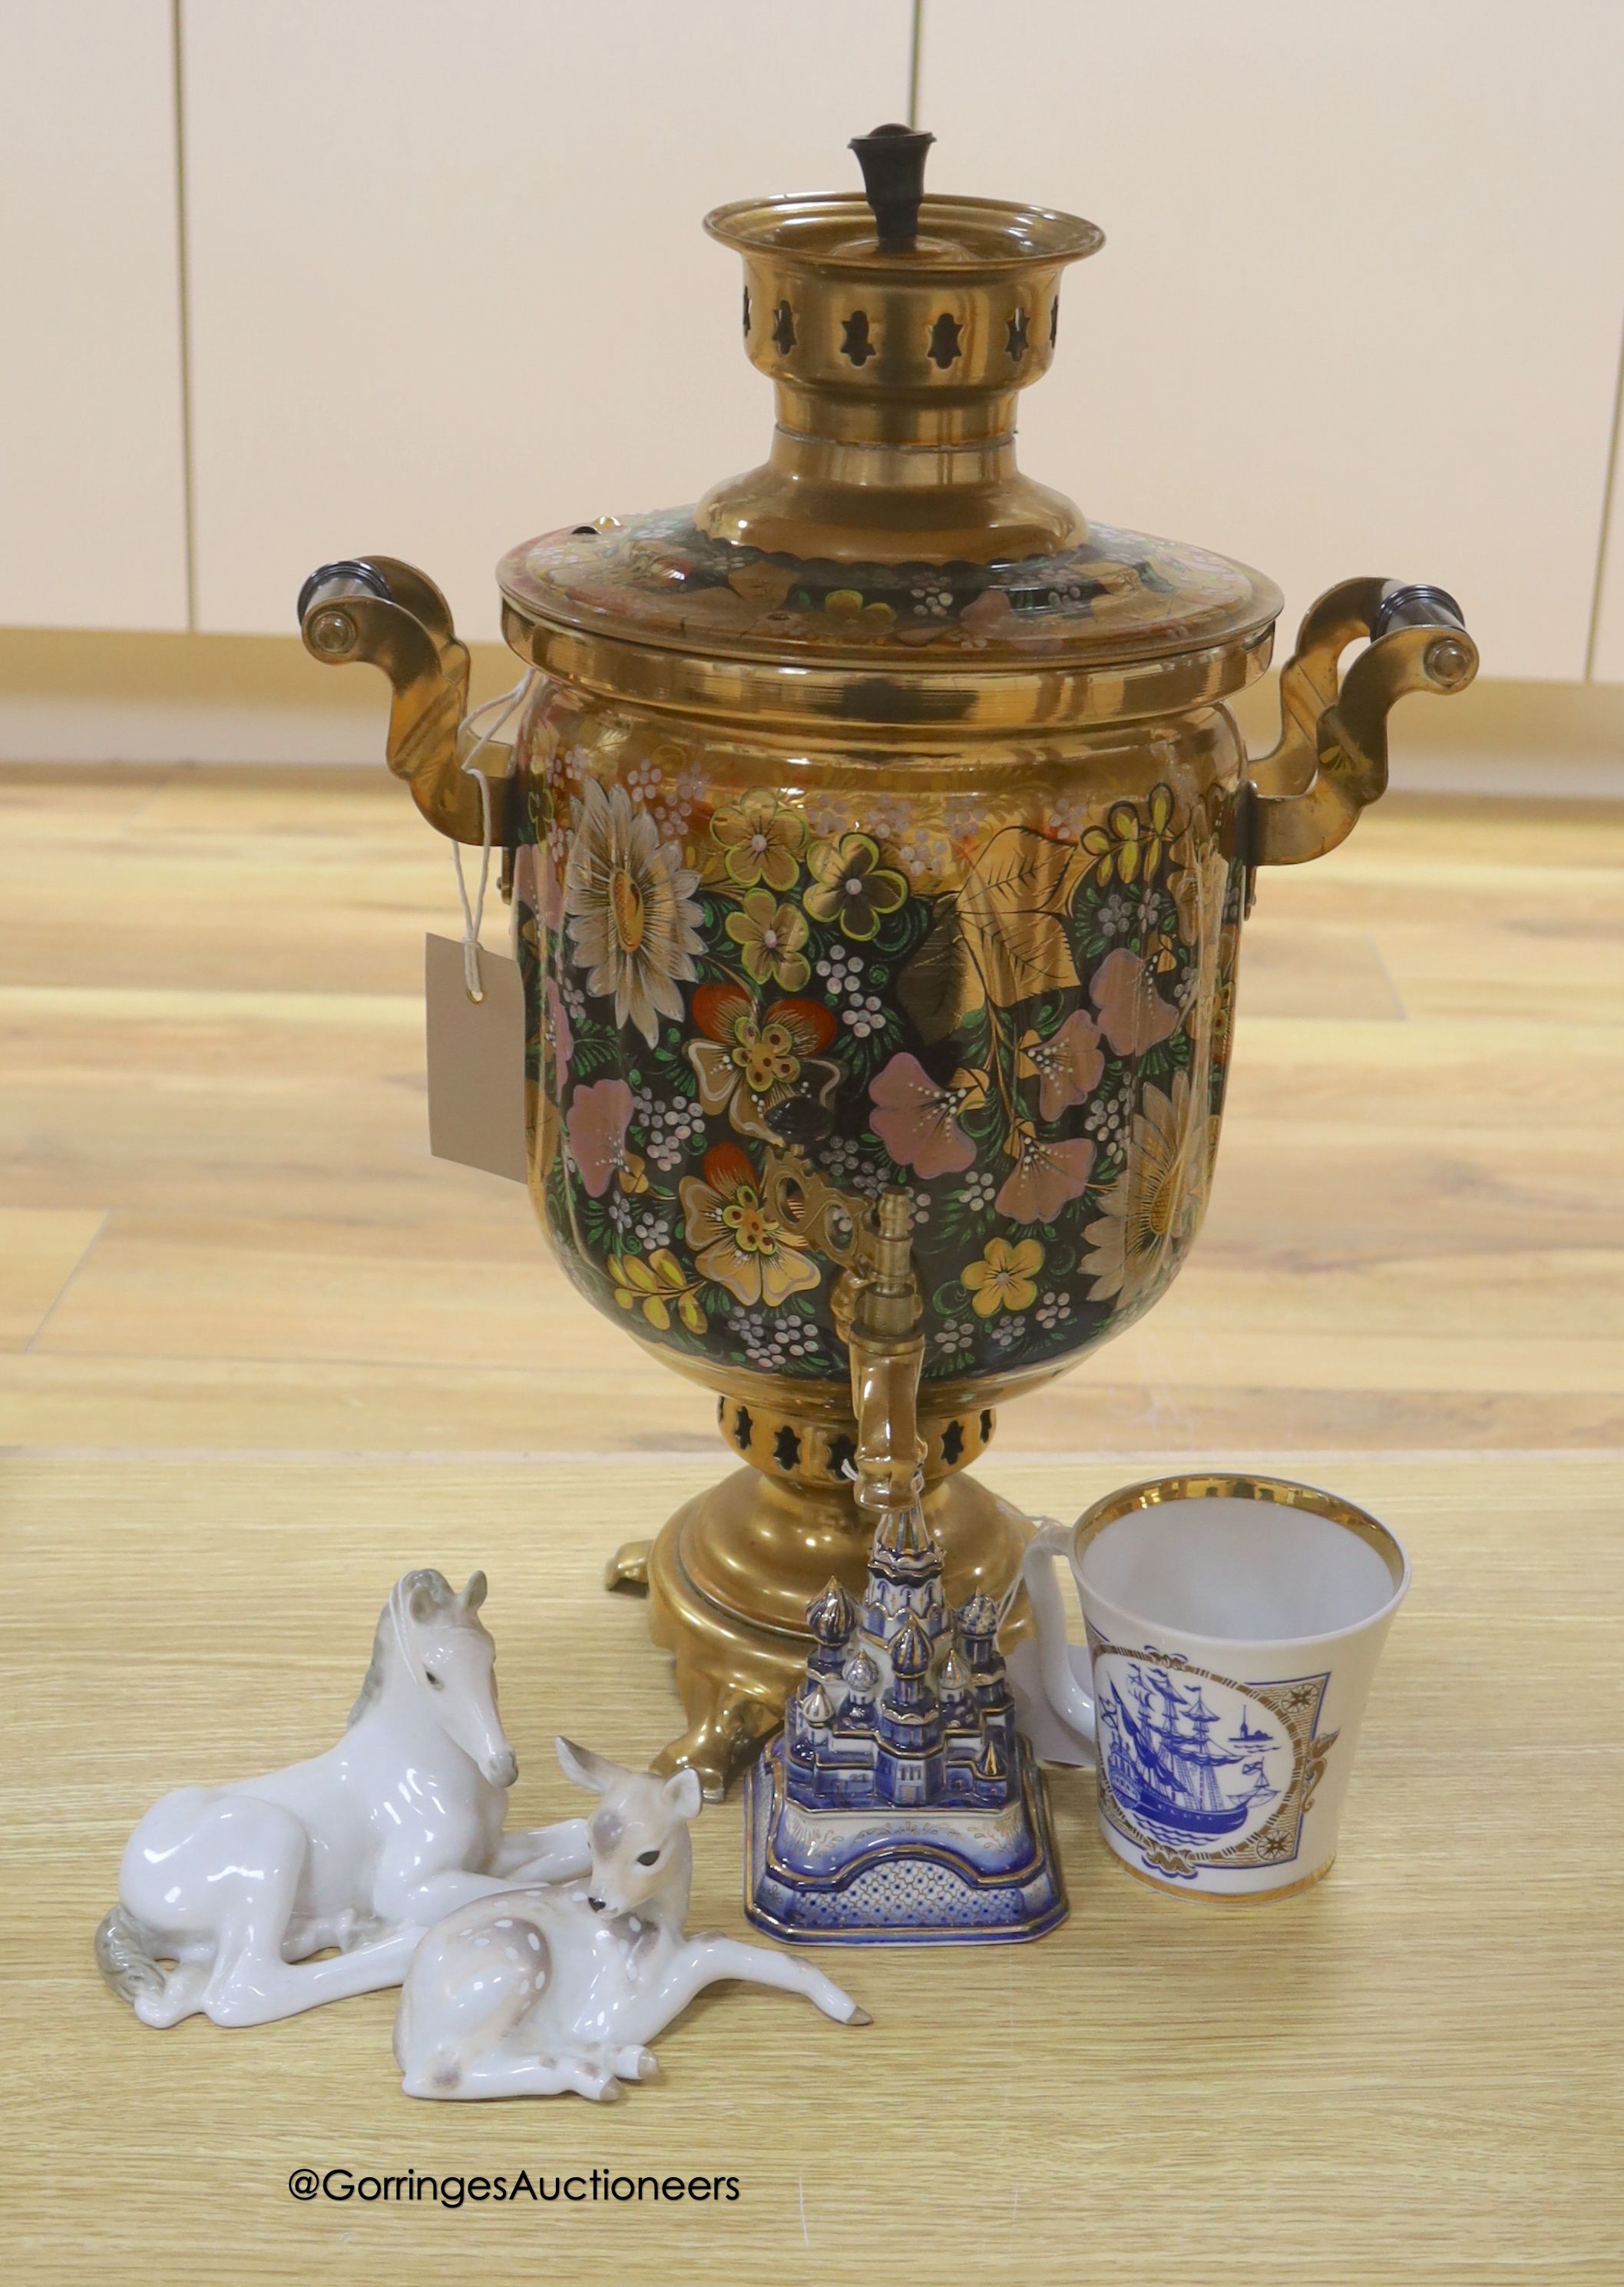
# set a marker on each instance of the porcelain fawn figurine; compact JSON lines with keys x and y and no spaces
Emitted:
{"x":362,"y":1848}
{"x":548,"y":1990}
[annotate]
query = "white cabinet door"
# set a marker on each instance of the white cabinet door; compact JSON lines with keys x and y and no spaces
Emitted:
{"x":92,"y":485}
{"x":449,"y":283}
{"x":1359,"y":308}
{"x":1607,"y":637}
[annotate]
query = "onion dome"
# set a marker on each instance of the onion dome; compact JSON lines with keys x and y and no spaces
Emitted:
{"x":910,"y":1649}
{"x":979,"y":1616}
{"x":815,"y":1708}
{"x":956,"y":1684}
{"x":830,"y":1615}
{"x":860,"y":1674}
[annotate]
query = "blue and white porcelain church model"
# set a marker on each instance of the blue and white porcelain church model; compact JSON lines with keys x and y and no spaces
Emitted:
{"x":899,"y":1804}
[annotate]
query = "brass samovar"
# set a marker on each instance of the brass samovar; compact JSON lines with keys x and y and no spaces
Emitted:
{"x":882,"y":816}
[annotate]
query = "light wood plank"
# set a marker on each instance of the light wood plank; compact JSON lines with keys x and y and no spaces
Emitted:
{"x":39,"y":1249}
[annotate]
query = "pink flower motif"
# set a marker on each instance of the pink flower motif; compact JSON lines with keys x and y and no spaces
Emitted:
{"x":916,"y":1121}
{"x":559,"y":1034}
{"x":1133,"y":1016}
{"x":1067,"y":1065}
{"x":1049,"y":1172}
{"x":598,"y":1118}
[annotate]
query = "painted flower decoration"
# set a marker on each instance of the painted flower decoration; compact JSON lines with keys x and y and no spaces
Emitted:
{"x":559,"y":1036}
{"x":770,"y":938}
{"x":549,"y":891}
{"x":1004,"y":1278}
{"x":1133,"y":1016}
{"x":630,"y":907}
{"x":1067,"y":1065}
{"x":1048,"y":1171}
{"x":846,"y":608}
{"x":598,"y":1118}
{"x":1153,"y":1207}
{"x":761,"y":839}
{"x":849,"y":885}
{"x":732,"y":1238}
{"x":916,"y":1118}
{"x":752,"y":1060}
{"x":1132,"y":842}
{"x":656,"y":1286}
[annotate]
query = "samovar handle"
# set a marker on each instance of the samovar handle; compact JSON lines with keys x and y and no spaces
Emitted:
{"x":1331,"y":757}
{"x":382,"y":611}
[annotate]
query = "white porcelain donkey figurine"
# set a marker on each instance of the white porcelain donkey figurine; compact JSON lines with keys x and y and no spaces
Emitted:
{"x":362,"y":1848}
{"x":550,"y":1990}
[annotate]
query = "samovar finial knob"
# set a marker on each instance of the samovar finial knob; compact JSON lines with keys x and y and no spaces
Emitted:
{"x":893,"y":158}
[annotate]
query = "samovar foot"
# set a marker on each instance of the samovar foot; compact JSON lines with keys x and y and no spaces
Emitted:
{"x":627,"y":1568}
{"x":727,"y":1730}
{"x":731,"y":1575}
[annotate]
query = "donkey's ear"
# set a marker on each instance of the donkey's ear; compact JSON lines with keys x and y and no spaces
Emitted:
{"x":474,"y":1595}
{"x":683,"y":1794}
{"x":596,"y":1773}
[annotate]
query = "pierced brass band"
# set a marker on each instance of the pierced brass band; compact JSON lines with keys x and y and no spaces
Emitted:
{"x":896,"y":374}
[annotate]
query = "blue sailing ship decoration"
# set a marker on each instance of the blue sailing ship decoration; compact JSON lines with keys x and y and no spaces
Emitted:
{"x":1162,"y":1763}
{"x":900,"y":1805}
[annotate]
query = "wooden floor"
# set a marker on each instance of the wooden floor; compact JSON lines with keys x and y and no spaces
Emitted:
{"x":257,"y":1351}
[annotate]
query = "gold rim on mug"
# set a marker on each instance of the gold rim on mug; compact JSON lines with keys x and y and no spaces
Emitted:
{"x":1284,"y":1493}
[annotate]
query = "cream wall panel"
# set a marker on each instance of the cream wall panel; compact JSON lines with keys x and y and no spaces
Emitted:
{"x":1359,"y":309}
{"x":449,"y":287}
{"x":1607,"y":641}
{"x":92,"y":490}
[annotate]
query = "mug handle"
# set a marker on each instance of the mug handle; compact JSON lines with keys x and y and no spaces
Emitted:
{"x":1067,"y":1697}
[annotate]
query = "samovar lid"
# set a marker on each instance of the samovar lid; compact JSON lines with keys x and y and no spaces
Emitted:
{"x":890,"y":528}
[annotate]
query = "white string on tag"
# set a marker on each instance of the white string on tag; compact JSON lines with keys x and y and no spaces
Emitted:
{"x":508,"y":702}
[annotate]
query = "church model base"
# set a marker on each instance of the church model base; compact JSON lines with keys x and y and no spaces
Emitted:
{"x":884,"y":1877}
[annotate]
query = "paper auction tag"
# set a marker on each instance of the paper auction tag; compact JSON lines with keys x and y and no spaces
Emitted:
{"x":476,"y":1056}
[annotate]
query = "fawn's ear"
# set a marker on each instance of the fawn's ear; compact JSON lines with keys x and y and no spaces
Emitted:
{"x":596,"y":1773}
{"x":683,"y":1794}
{"x":426,"y":1592}
{"x":473,"y":1594}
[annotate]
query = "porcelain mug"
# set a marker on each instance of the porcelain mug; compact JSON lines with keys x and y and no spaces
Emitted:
{"x":1234,"y":1624}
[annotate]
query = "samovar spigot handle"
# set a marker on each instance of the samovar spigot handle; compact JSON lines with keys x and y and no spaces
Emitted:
{"x":878,"y":1310}
{"x":886,"y":1349}
{"x":384,"y":612}
{"x":1330,"y":761}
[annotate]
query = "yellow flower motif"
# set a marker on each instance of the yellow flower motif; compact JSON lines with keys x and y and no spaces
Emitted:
{"x":846,"y":607}
{"x":735,"y":1241}
{"x":1131,"y":844}
{"x":762,"y":840}
{"x":849,"y":885}
{"x":1004,"y":1278}
{"x":770,"y":938}
{"x":654,"y":1287}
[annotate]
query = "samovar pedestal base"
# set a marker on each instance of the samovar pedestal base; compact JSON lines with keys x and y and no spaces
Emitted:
{"x":729,"y":1577}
